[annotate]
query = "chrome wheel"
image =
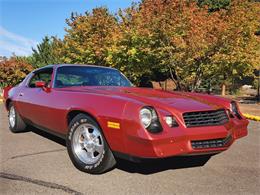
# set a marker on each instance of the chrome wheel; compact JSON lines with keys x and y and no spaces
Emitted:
{"x":12,"y":117}
{"x":87,"y":143}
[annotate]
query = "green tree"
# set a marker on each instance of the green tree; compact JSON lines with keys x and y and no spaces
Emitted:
{"x":47,"y":52}
{"x":131,"y":49}
{"x":215,"y":5}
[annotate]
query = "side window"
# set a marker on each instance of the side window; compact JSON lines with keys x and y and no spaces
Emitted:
{"x":33,"y":80}
{"x":67,"y":80}
{"x":43,"y":75}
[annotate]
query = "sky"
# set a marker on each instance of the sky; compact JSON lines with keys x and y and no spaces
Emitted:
{"x":23,"y":23}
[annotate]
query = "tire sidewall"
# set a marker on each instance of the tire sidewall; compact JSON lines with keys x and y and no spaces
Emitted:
{"x":90,"y":168}
{"x":13,"y":129}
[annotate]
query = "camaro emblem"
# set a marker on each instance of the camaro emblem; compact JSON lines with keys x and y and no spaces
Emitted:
{"x":113,"y":125}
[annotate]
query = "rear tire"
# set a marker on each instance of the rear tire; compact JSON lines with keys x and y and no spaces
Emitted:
{"x":87,"y":147}
{"x":16,"y":123}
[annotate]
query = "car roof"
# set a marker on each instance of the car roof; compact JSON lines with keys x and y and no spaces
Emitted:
{"x":62,"y":65}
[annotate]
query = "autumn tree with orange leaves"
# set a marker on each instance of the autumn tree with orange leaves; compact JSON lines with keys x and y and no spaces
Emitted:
{"x":191,"y":42}
{"x":186,"y":42}
{"x":88,"y":37}
{"x":238,"y":51}
{"x":13,"y":71}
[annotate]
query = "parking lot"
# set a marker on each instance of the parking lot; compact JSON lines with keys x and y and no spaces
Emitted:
{"x":35,"y":162}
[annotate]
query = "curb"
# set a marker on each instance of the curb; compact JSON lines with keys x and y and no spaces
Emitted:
{"x":252,"y":117}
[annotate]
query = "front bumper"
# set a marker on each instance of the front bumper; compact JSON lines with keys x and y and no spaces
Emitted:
{"x":180,"y":141}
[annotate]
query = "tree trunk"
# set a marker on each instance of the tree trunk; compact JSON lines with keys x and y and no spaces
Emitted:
{"x":196,"y":80}
{"x":175,"y":79}
{"x":223,"y":89}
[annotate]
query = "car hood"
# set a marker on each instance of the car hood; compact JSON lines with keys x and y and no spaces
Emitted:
{"x":181,"y":101}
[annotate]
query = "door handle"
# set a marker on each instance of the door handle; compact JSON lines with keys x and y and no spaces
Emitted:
{"x":21,"y":94}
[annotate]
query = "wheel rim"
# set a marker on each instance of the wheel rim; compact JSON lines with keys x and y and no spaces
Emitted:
{"x":12,"y":116}
{"x":87,"y":143}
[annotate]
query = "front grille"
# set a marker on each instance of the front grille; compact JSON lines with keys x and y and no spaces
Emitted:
{"x":211,"y":143}
{"x":205,"y":118}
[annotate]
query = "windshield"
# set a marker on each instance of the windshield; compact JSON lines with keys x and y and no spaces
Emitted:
{"x":68,"y":76}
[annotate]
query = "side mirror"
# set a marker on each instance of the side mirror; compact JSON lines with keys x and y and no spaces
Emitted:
{"x":40,"y":84}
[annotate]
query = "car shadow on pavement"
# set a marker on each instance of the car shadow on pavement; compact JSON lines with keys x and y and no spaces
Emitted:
{"x":144,"y":167}
{"x":159,"y":165}
{"x":49,"y":136}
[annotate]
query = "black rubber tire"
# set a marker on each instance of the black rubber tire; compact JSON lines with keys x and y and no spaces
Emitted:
{"x":106,"y":162}
{"x":20,"y":125}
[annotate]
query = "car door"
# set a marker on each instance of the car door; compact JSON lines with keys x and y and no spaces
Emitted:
{"x":35,"y":103}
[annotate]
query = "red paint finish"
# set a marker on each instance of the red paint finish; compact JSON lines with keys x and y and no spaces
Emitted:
{"x":5,"y":91}
{"x":49,"y":108}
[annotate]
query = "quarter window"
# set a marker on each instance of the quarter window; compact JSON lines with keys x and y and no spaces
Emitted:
{"x":43,"y":75}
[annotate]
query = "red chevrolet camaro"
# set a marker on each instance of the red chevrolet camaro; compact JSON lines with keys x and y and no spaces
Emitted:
{"x":102,"y":115}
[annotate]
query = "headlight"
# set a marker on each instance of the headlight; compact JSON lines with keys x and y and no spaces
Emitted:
{"x":150,"y":120}
{"x":146,"y":117}
{"x":234,"y":109}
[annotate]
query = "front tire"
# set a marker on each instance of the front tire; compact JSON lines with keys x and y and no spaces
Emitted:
{"x":16,"y":123}
{"x":87,"y":147}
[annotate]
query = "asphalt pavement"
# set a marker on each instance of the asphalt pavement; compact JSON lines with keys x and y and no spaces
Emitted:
{"x":37,"y":163}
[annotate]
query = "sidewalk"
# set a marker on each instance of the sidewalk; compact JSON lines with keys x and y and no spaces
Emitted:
{"x":252,"y":109}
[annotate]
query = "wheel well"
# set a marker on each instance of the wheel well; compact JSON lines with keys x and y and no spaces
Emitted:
{"x":7,"y":103}
{"x":74,"y":113}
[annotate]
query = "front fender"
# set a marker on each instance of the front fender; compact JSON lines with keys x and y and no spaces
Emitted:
{"x":108,"y":113}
